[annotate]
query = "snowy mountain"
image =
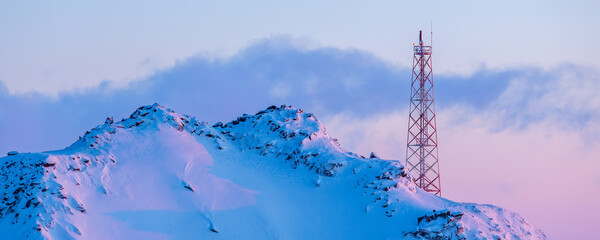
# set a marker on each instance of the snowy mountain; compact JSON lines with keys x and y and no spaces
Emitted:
{"x":273,"y":175}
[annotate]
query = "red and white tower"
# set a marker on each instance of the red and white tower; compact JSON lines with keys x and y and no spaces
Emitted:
{"x":422,"y":145}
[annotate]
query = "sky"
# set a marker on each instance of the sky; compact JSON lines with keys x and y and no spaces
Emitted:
{"x":517,"y":82}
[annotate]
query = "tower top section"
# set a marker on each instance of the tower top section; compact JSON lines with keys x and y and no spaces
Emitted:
{"x":422,"y":49}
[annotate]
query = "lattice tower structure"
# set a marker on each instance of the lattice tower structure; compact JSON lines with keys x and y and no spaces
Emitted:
{"x":422,"y":159}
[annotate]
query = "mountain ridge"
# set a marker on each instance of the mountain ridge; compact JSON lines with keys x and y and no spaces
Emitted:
{"x":229,"y":167}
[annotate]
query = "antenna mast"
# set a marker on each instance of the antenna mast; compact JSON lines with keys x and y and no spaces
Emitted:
{"x":422,"y":145}
{"x":431,"y":33}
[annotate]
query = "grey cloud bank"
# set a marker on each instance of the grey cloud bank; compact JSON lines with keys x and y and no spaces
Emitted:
{"x":325,"y":81}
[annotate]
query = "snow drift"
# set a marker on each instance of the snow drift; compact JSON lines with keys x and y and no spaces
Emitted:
{"x":276,"y":174}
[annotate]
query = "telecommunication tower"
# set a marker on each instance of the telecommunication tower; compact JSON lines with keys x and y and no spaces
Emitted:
{"x":422,"y":145}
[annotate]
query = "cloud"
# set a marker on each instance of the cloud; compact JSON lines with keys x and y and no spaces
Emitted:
{"x":326,"y":81}
{"x":273,"y":71}
{"x":567,"y":94}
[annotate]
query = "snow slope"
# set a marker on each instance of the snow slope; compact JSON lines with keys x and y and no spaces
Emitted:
{"x":272,"y":175}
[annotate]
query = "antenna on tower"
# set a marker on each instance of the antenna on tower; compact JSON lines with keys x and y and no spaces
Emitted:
{"x":431,"y":33}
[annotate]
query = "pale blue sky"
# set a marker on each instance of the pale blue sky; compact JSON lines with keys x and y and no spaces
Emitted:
{"x":57,"y":46}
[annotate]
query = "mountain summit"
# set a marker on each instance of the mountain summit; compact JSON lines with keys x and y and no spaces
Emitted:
{"x":276,"y":174}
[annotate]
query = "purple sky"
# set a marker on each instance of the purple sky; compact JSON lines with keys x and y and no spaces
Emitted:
{"x":518,"y":108}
